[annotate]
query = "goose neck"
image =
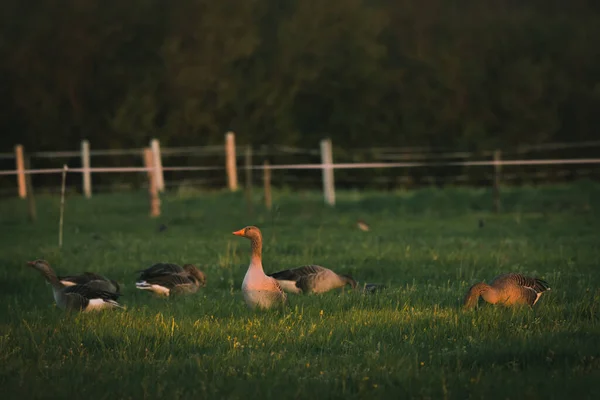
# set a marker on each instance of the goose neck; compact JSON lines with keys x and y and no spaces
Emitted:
{"x":256,"y":245}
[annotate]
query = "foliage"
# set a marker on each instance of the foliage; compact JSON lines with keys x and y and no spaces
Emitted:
{"x":469,"y":74}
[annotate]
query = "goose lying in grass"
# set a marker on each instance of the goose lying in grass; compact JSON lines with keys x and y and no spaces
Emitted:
{"x":318,"y":279}
{"x":89,"y":296}
{"x":166,"y":279}
{"x":161,"y":269}
{"x":71,"y":280}
{"x":507,"y":289}
{"x":311,"y":279}
{"x":259,"y":290}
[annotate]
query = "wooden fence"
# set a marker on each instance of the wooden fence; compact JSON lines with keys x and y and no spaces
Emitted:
{"x":383,"y":158}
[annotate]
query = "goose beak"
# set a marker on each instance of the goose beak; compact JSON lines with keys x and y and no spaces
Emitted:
{"x":239,"y":233}
{"x":32,"y":263}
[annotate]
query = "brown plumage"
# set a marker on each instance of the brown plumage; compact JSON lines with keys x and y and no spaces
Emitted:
{"x":86,"y":277}
{"x":507,"y":289}
{"x":168,"y":279}
{"x":311,"y":279}
{"x":162,"y":269}
{"x":89,"y":296}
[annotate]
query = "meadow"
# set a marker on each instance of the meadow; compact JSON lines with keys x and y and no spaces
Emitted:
{"x":410,"y":341}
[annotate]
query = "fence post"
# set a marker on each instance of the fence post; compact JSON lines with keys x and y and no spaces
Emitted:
{"x":327,"y":161}
{"x":20,"y":164}
{"x":85,"y":165}
{"x":158,"y":170}
{"x":497,"y":171}
{"x":248,"y":185}
{"x":230,"y":161}
{"x":267,"y":184}
{"x":32,"y":211}
{"x":152,"y":185}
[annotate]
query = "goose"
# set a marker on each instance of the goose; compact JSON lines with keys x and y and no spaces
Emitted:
{"x":90,"y":296}
{"x":187,"y":281}
{"x":311,"y":279}
{"x":508,"y":289}
{"x":162,"y":269}
{"x":259,"y":290}
{"x":71,"y":280}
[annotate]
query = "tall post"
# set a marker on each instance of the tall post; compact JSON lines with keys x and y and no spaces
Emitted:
{"x":62,"y":205}
{"x":20,"y":164}
{"x":248,"y":185}
{"x":327,"y":161}
{"x":267,"y":185}
{"x":152,"y":186}
{"x":496,"y":188}
{"x":85,"y":165}
{"x":32,"y":210}
{"x":158,"y":170}
{"x":230,"y":161}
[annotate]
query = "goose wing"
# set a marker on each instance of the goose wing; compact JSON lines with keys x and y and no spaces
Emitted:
{"x":169,"y":281}
{"x":82,"y":278}
{"x":536,"y":284}
{"x":160,"y":269}
{"x":296,"y":274}
{"x":92,"y":290}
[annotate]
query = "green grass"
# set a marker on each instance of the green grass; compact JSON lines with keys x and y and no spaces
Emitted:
{"x":411,"y":341}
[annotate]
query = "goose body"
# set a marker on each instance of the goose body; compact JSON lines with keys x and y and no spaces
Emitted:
{"x":167,"y":285}
{"x":89,"y":296}
{"x":160,"y":269}
{"x":163,"y":269}
{"x":258,"y":289}
{"x":71,"y":280}
{"x":507,"y":289}
{"x":311,"y":279}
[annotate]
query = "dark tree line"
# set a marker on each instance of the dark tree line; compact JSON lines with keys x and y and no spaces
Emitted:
{"x":470,"y":74}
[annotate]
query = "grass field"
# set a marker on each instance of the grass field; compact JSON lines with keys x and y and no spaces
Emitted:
{"x":411,"y":341}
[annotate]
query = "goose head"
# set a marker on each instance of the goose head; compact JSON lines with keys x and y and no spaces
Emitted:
{"x":196,"y":273}
{"x":40,"y":265}
{"x":249,"y":232}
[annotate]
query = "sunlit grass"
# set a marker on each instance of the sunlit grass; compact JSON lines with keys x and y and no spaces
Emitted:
{"x":412,"y":340}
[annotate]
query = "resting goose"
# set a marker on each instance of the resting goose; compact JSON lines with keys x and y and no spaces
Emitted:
{"x":162,"y":269}
{"x":170,"y":284}
{"x":90,"y":296}
{"x":311,"y":279}
{"x":71,"y":280}
{"x":259,"y":290}
{"x":507,"y":289}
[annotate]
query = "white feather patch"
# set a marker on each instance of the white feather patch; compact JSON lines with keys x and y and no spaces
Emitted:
{"x":289,"y":286}
{"x":143,"y":285}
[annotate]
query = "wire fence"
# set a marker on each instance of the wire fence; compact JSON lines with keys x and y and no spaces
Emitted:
{"x":213,"y":166}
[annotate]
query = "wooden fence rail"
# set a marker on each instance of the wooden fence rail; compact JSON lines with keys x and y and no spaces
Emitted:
{"x":394,"y":158}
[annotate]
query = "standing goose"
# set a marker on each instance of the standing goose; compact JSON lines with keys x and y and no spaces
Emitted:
{"x":311,"y":279}
{"x":259,"y":290}
{"x":71,"y":280}
{"x":508,"y":289}
{"x":90,"y":296}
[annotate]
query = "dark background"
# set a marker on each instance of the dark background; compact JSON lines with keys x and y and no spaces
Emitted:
{"x":468,"y":75}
